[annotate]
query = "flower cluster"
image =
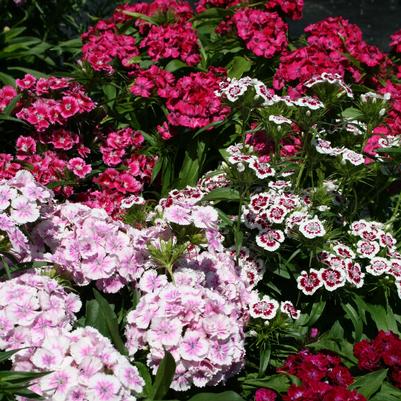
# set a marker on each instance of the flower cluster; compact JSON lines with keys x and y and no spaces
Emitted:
{"x":383,"y":351}
{"x":323,"y":378}
{"x":31,"y":306}
{"x":264,"y":33}
{"x":371,"y":250}
{"x":178,"y":41}
{"x":193,"y":102}
{"x":89,"y":246}
{"x":22,"y":201}
{"x":199,"y":318}
{"x":290,"y":8}
{"x":51,"y":101}
{"x":84,"y":365}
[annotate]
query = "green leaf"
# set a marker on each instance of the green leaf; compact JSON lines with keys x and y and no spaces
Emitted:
{"x":279,"y":383}
{"x":4,"y":355}
{"x":383,"y":317}
{"x":353,"y":315}
{"x":370,"y":384}
{"x":352,"y":113}
{"x":164,"y":377}
{"x":226,"y":396}
{"x":192,"y":164}
{"x":388,"y":393}
{"x":264,"y":358}
{"x":110,"y":318}
{"x":175,"y":65}
{"x":141,"y":16}
{"x":238,"y":66}
{"x":36,"y":74}
{"x":10,"y":107}
{"x":144,"y":372}
{"x":7,"y":79}
{"x":110,"y":91}
{"x":314,"y":315}
{"x":224,"y":194}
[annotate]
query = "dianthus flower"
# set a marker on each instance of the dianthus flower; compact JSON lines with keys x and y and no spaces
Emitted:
{"x":88,"y":245}
{"x":32,"y":305}
{"x":7,"y":93}
{"x":22,"y":201}
{"x":177,"y":41}
{"x":396,"y":42}
{"x":193,"y":103}
{"x":290,"y":8}
{"x":264,"y":33}
{"x":201,"y":321}
{"x":84,"y":365}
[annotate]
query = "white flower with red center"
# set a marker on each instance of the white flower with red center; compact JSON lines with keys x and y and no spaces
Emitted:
{"x":262,"y":170}
{"x":270,"y":240}
{"x":279,"y":120}
{"x":324,"y":147}
{"x":290,"y":203}
{"x":371,"y":234}
{"x":354,"y":274}
{"x":387,"y":240}
{"x":353,"y":157}
{"x":358,"y":226}
{"x":310,"y":282}
{"x":378,"y":266}
{"x":335,"y":262}
{"x":132,"y":200}
{"x":259,"y":201}
{"x":395,"y":268}
{"x":276,"y":214}
{"x":294,"y":219}
{"x":289,"y":309}
{"x":312,"y":228}
{"x":367,"y":249}
{"x":280,"y":184}
{"x":344,"y":251}
{"x":309,"y":102}
{"x":332,"y":279}
{"x":266,"y":308}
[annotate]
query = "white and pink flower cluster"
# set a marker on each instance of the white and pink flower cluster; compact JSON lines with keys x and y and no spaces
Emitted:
{"x":84,"y":366}
{"x":31,"y":306}
{"x":332,"y":79}
{"x":181,"y":207}
{"x":89,"y":245}
{"x":233,"y":89}
{"x":241,"y":156}
{"x":199,"y":318}
{"x":371,"y":252}
{"x":275,"y":213}
{"x":22,"y":201}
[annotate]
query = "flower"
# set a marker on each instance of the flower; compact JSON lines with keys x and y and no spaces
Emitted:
{"x":265,"y":394}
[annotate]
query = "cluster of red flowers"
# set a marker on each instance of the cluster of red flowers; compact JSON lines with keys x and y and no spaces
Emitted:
{"x":55,"y":151}
{"x":382,"y":352}
{"x":291,"y":8}
{"x":178,"y":41}
{"x":193,"y":103}
{"x":50,"y":101}
{"x":104,"y":43}
{"x":328,"y":43}
{"x":264,"y":33}
{"x":323,"y":378}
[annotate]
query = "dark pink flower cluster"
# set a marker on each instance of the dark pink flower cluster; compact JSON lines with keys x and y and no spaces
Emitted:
{"x":323,"y":377}
{"x":178,"y":41}
{"x":264,"y":33}
{"x":50,"y":101}
{"x":396,"y":42}
{"x":392,"y":122}
{"x":152,"y":82}
{"x":7,"y":93}
{"x":329,"y":43}
{"x":291,"y":8}
{"x":382,"y":352}
{"x":194,"y":103}
{"x":265,"y":394}
{"x":104,"y":43}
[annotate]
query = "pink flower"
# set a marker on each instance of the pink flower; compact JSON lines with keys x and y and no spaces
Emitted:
{"x":165,"y":332}
{"x":193,"y":346}
{"x":68,"y":106}
{"x":178,"y":215}
{"x":27,"y":82}
{"x":204,"y":216}
{"x":23,"y":210}
{"x":79,"y":167}
{"x":26,"y":144}
{"x":265,"y":394}
{"x":105,"y":387}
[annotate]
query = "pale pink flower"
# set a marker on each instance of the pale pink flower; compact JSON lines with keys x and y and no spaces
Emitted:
{"x":193,"y":346}
{"x":165,"y":332}
{"x":23,"y":210}
{"x":104,"y":387}
{"x":177,"y":214}
{"x":204,"y":216}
